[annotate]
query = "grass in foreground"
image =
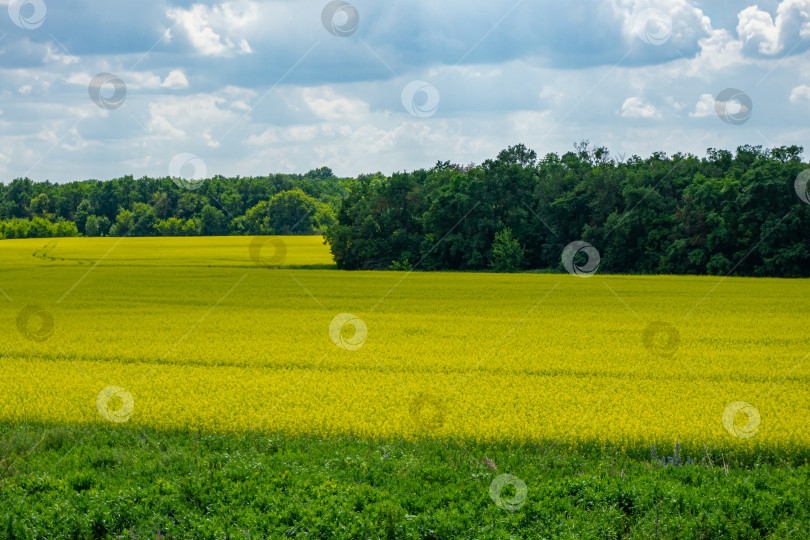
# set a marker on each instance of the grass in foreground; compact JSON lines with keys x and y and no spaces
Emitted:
{"x":84,"y":482}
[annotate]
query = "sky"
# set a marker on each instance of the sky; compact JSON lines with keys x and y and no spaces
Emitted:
{"x":194,"y":89}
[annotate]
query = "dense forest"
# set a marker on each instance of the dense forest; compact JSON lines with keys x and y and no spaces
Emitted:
{"x":726,"y":213}
{"x":277,"y":204}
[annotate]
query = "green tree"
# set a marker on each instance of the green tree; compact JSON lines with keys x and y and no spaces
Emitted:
{"x":287,"y":213}
{"x":507,"y":253}
{"x":83,"y":212}
{"x":123,"y":224}
{"x":143,"y":219}
{"x":191,"y":227}
{"x":322,"y":173}
{"x":169,"y":227}
{"x":40,"y":206}
{"x":161,"y":203}
{"x":40,"y":228}
{"x":213,"y":222}
{"x":104,"y":226}
{"x":65,"y":229}
{"x":91,"y":227}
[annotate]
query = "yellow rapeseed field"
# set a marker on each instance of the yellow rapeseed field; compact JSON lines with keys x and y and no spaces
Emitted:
{"x":234,"y":334}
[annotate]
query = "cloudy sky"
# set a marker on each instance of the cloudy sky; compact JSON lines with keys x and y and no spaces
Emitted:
{"x":159,"y":87}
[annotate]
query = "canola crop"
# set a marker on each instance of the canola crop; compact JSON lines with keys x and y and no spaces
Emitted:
{"x":211,"y":334}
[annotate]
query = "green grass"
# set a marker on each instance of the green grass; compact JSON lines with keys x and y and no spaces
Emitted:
{"x":109,"y":483}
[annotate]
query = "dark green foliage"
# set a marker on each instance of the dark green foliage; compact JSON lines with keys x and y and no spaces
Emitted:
{"x":102,"y":482}
{"x":721,"y":214}
{"x":212,"y":222}
{"x":301,"y":204}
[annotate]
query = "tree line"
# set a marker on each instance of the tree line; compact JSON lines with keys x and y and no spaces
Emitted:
{"x":276,"y":204}
{"x":726,"y":213}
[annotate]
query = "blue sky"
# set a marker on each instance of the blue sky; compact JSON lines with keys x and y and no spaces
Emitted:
{"x":252,"y":87}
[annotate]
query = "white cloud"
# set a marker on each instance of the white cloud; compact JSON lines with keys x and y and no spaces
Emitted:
{"x":718,"y":51}
{"x":766,"y":36}
{"x":203,"y":118}
{"x":136,"y":80}
{"x":675,"y":104}
{"x":73,"y":141}
{"x":301,"y":133}
{"x":176,"y":79}
{"x":4,"y":160}
{"x":552,"y":94}
{"x":240,"y":106}
{"x":528,"y":122}
{"x":662,"y":21}
{"x":240,"y":98}
{"x":282,"y":136}
{"x":195,"y":23}
{"x":210,"y":142}
{"x":160,"y":125}
{"x":800,"y":93}
{"x":48,"y":135}
{"x":81,"y":78}
{"x":635,"y":107}
{"x":244,"y":46}
{"x":704,"y":107}
{"x":53,"y":55}
{"x":139,"y":163}
{"x":340,"y":106}
{"x":208,"y":28}
{"x":267,"y":137}
{"x":756,"y":27}
{"x":325,"y":103}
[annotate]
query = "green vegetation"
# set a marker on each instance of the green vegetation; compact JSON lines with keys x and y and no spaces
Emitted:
{"x":128,"y":483}
{"x":670,"y":215}
{"x":299,"y":204}
{"x":250,"y":414}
